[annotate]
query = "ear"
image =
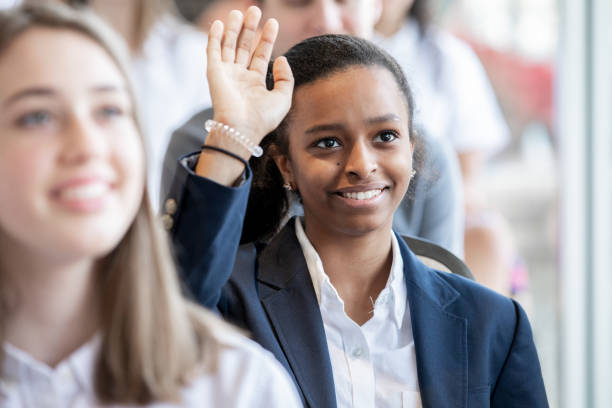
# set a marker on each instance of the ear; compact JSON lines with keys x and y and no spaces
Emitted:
{"x":283,"y":163}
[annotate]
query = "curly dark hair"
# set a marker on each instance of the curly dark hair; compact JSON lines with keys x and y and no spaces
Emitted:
{"x":310,"y":60}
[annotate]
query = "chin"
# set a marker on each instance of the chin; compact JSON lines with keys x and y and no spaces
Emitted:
{"x":362,"y":225}
{"x":97,"y":243}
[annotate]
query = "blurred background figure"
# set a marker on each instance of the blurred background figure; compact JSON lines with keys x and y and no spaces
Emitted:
{"x":168,"y":67}
{"x":202,"y":13}
{"x":456,"y":104}
{"x":4,"y":4}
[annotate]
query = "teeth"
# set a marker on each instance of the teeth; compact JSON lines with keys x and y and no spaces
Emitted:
{"x":84,"y":192}
{"x":362,"y":195}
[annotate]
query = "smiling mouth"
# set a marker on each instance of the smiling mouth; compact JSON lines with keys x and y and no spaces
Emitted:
{"x":362,"y":195}
{"x":90,"y":191}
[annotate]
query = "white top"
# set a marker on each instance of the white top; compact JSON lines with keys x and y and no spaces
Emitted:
{"x":374,"y":365}
{"x":453,"y":96}
{"x":171,"y":87}
{"x":247,"y":376}
{"x":5,"y":4}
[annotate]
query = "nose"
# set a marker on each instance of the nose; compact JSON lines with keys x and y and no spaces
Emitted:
{"x":326,"y":18}
{"x":82,"y":140}
{"x":361,"y":162}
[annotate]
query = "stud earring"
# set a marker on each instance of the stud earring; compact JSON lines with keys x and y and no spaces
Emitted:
{"x":412,"y":173}
{"x":288,"y":187}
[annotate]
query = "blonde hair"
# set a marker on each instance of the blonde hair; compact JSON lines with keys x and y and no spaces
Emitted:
{"x":153,"y":340}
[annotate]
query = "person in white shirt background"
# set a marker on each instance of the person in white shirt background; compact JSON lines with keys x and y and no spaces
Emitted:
{"x":455,"y":103}
{"x":90,"y":307}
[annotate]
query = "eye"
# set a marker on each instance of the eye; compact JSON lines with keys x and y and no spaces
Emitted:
{"x":327,"y":143}
{"x":386,"y":136}
{"x":110,"y":111}
{"x":35,"y":118}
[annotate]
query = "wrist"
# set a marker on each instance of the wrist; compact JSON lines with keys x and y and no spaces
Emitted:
{"x":225,"y":136}
{"x":219,"y":140}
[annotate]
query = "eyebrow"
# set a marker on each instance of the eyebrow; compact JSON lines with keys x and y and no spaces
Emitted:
{"x":50,"y":92}
{"x":391,"y":117}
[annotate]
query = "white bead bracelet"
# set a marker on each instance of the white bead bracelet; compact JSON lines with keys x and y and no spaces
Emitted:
{"x":254,"y":149}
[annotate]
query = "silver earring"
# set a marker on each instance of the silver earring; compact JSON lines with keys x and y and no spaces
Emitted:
{"x":412,"y":173}
{"x":287,"y":187}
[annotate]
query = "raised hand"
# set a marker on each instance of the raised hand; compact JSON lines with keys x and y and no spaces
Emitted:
{"x":237,"y":80}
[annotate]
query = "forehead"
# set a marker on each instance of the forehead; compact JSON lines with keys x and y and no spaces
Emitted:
{"x":349,"y":96}
{"x":59,"y":58}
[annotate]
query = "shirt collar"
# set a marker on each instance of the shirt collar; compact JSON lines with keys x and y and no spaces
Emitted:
{"x":19,"y":366}
{"x":394,"y":294}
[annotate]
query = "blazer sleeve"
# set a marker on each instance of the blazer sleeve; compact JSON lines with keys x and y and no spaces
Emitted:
{"x":520,"y":382}
{"x":206,"y":229}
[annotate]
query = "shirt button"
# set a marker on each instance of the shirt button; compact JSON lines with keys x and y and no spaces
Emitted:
{"x":167,"y":222}
{"x":358,"y":352}
{"x":170,"y":206}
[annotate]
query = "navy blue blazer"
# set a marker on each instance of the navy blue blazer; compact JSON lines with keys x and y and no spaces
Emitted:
{"x":474,"y":347}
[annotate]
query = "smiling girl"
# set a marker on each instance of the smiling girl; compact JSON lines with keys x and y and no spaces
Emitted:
{"x":90,"y":307}
{"x":338,"y":298}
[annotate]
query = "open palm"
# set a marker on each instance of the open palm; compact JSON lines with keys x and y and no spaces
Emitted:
{"x":237,"y":80}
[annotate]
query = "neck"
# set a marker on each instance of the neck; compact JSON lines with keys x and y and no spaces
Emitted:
{"x":358,"y":266}
{"x":55,"y":308}
{"x":122,"y":15}
{"x":390,"y":23}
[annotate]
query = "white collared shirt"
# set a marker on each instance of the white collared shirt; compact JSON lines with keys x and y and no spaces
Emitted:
{"x":374,"y":365}
{"x":246,"y":376}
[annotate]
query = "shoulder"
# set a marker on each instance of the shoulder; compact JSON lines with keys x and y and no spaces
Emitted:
{"x":488,"y":312}
{"x":245,"y":375}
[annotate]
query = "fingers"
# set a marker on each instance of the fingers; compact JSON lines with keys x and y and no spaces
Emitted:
{"x":261,"y":56}
{"x":228,"y":44}
{"x":213,"y":48}
{"x":283,"y":77}
{"x":245,"y":40}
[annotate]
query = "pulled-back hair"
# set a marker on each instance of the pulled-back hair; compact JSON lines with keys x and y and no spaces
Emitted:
{"x":311,"y":60}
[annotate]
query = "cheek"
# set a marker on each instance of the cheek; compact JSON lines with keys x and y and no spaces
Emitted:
{"x":319,"y":177}
{"x":400,"y":167}
{"x":24,"y":169}
{"x":130,"y":160}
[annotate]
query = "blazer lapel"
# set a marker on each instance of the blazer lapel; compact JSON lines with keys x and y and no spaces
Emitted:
{"x":440,"y":338}
{"x":287,"y":294}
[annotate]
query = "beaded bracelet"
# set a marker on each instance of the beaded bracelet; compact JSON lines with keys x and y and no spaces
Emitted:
{"x":254,"y":149}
